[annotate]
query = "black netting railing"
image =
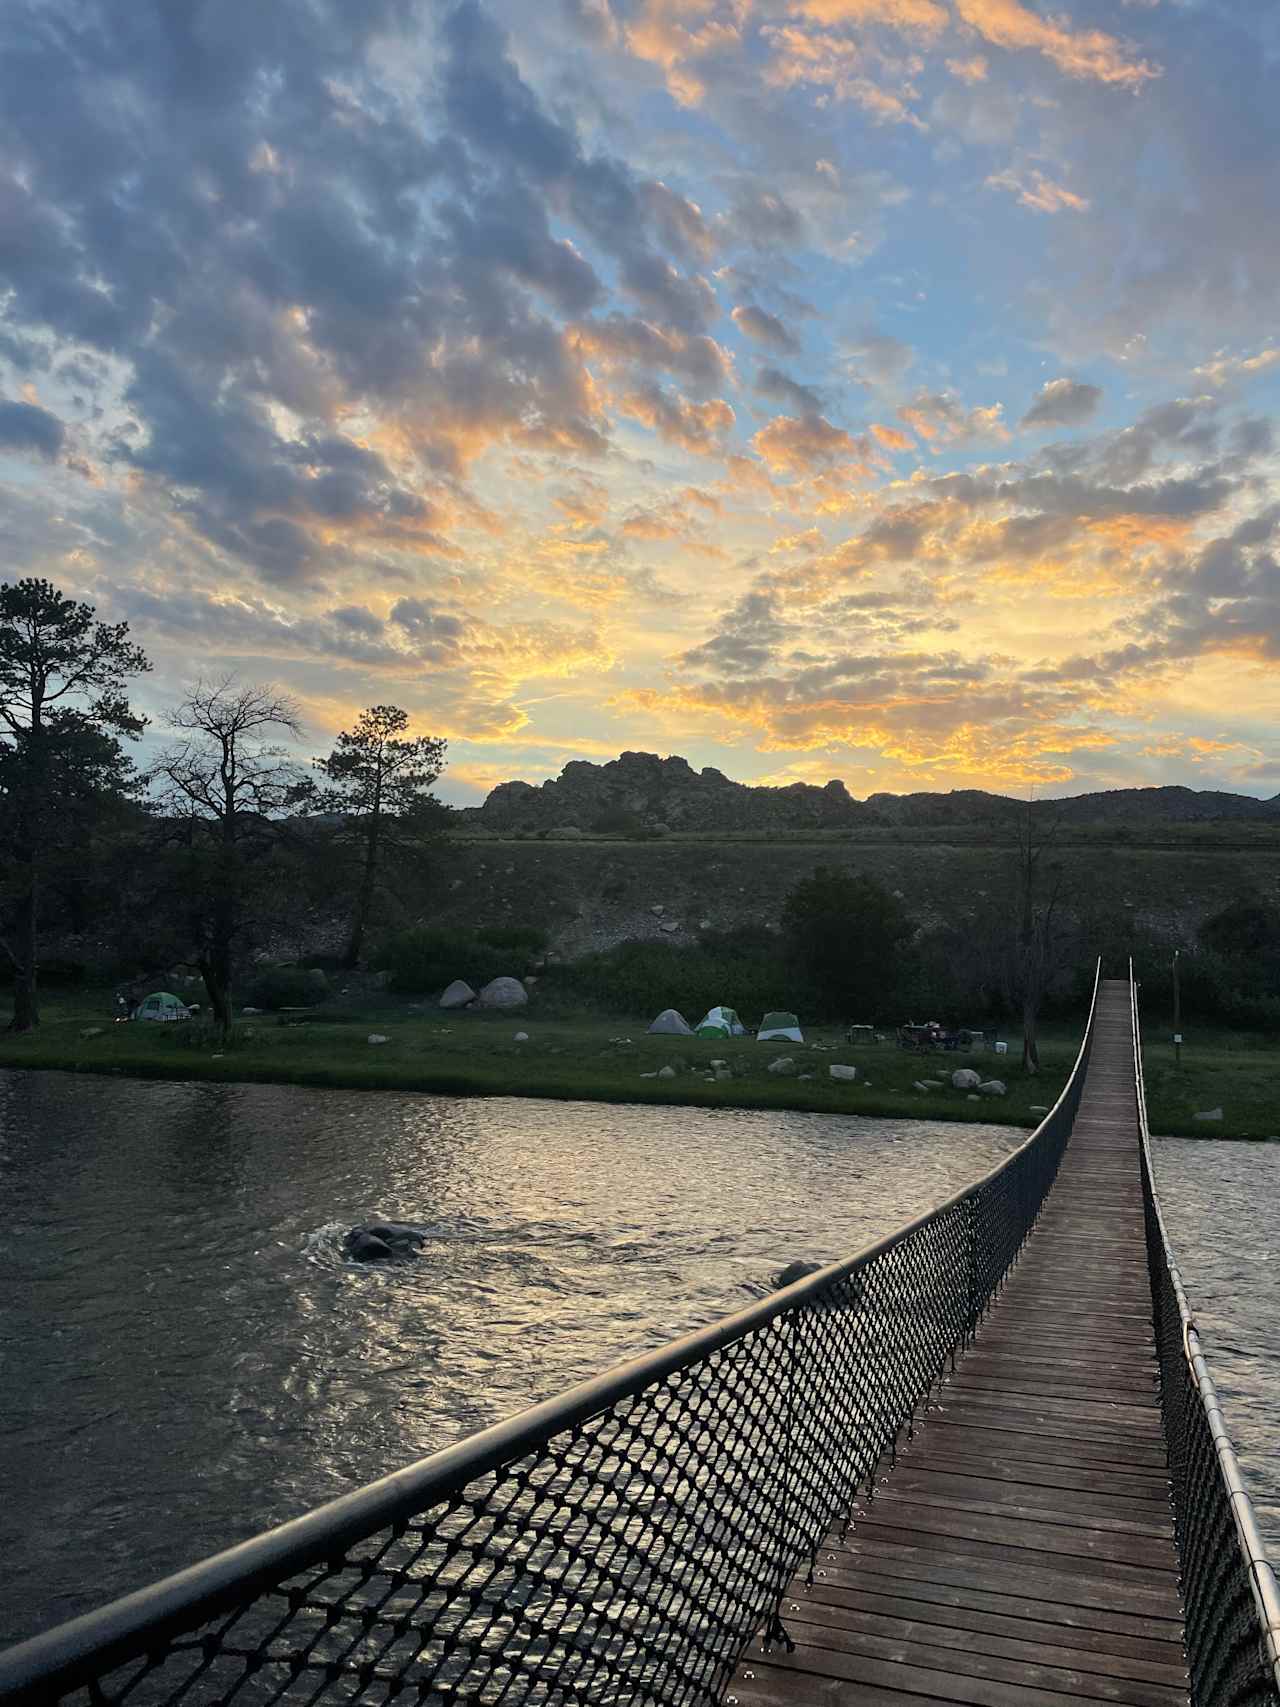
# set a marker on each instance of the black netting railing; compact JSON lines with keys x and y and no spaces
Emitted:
{"x":1230,"y":1600}
{"x":619,"y":1544}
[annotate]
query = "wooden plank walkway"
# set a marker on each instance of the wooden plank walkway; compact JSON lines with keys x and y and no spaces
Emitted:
{"x":1021,"y":1553}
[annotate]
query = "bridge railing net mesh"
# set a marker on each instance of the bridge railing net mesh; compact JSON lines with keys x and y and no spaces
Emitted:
{"x":1228,"y":1656}
{"x":630,"y":1557}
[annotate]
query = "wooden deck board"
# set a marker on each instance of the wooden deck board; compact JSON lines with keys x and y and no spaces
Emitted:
{"x":1020,"y":1553}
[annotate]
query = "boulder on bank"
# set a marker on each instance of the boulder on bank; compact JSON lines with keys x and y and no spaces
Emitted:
{"x":993,"y":1088}
{"x":458,"y":995}
{"x":965,"y":1079}
{"x":838,"y":1072}
{"x":784,"y":1066}
{"x":670,"y":1022}
{"x":504,"y":993}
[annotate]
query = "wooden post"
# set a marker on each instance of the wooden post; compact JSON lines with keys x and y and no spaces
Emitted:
{"x":1177,"y":1013}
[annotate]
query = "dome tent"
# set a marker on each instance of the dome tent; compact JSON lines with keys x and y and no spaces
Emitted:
{"x":780,"y":1028}
{"x":161,"y":1004}
{"x":670,"y":1022}
{"x":721,"y":1022}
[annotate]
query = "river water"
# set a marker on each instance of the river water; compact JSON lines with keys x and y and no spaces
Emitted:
{"x":1222,"y":1209}
{"x":187,"y":1356}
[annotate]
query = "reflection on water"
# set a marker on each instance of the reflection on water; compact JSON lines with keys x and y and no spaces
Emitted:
{"x":1222,"y":1208}
{"x":188,"y":1358}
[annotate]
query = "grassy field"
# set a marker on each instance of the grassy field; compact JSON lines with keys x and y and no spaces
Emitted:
{"x":608,"y":1060}
{"x":476,"y":1054}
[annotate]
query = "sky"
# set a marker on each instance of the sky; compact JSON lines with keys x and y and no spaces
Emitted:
{"x":873,"y":389}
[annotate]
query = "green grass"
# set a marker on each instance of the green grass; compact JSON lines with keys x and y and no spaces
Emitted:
{"x":476,"y":1055}
{"x":605,"y":1059}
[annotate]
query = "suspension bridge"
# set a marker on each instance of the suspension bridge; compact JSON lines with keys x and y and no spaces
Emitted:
{"x":980,"y":1462}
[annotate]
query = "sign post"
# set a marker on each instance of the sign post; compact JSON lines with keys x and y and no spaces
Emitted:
{"x":1177,"y":1013}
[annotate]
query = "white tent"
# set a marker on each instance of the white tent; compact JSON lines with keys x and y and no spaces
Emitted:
{"x":671,"y":1023}
{"x":780,"y":1028}
{"x":721,"y":1022}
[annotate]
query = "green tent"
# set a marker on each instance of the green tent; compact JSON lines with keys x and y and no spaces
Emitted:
{"x":780,"y":1028}
{"x":161,"y":1004}
{"x":721,"y":1022}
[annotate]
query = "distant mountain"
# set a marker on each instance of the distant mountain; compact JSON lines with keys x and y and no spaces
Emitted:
{"x":640,"y":791}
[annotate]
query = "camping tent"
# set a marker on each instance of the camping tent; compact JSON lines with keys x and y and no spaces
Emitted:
{"x":721,"y":1022}
{"x":161,"y":1005}
{"x":779,"y":1028}
{"x":671,"y":1023}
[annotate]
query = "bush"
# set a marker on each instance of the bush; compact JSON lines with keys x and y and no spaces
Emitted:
{"x":639,"y":979}
{"x":273,"y":987}
{"x":426,"y":958}
{"x":845,"y":938}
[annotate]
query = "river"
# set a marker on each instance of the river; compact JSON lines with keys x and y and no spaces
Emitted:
{"x":1222,"y":1208}
{"x":187,"y":1357}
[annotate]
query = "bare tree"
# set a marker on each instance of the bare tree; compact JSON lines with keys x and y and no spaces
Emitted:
{"x":228,"y":780}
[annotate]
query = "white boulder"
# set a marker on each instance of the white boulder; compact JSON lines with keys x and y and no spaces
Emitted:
{"x":993,"y":1088}
{"x":666,"y":1072}
{"x":522,"y":1037}
{"x":458,"y":995}
{"x":784,"y":1065}
{"x":669,"y":925}
{"x":1210,"y":1114}
{"x":377,"y":1037}
{"x":838,"y":1072}
{"x":965,"y":1079}
{"x":504,"y":993}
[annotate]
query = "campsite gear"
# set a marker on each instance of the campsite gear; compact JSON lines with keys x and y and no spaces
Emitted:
{"x":779,"y":1028}
{"x":860,"y":1034}
{"x":161,"y":1004}
{"x":671,"y":1023}
{"x":721,"y":1022}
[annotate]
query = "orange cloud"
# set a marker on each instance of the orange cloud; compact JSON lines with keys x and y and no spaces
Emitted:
{"x":972,"y":70}
{"x":1085,"y":54}
{"x":1038,"y":192}
{"x":918,"y":17}
{"x":790,"y":445}
{"x":891,"y":437}
{"x":670,"y":33}
{"x":700,"y":428}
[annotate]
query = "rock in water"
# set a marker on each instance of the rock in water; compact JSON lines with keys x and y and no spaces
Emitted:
{"x":504,"y":993}
{"x":965,"y":1079}
{"x":367,"y":1247}
{"x":792,"y":1272}
{"x":458,"y":995}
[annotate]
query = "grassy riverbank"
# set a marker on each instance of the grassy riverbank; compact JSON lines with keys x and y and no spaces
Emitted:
{"x":607,"y":1060}
{"x":477,"y":1055}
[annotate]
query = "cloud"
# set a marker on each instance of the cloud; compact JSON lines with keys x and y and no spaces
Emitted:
{"x":1224,"y":368}
{"x":1063,"y":403}
{"x":1036,"y":191}
{"x":1086,"y":54}
{"x":882,"y":358}
{"x":771,"y":382}
{"x":25,"y":426}
{"x":790,"y":445}
{"x":939,"y":417}
{"x":764,"y":328}
{"x":700,"y":428}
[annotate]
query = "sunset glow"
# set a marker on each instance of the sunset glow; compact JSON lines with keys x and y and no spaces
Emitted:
{"x":873,"y":389}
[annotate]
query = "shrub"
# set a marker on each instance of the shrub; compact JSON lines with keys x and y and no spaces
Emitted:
{"x":639,"y":979}
{"x":427,"y":957}
{"x":273,"y":987}
{"x":845,"y":938}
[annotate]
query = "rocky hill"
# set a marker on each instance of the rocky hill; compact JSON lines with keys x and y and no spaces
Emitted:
{"x":642,"y":792}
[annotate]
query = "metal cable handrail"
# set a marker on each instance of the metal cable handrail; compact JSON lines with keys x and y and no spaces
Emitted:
{"x":621,"y":1542}
{"x":1229,"y":1588}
